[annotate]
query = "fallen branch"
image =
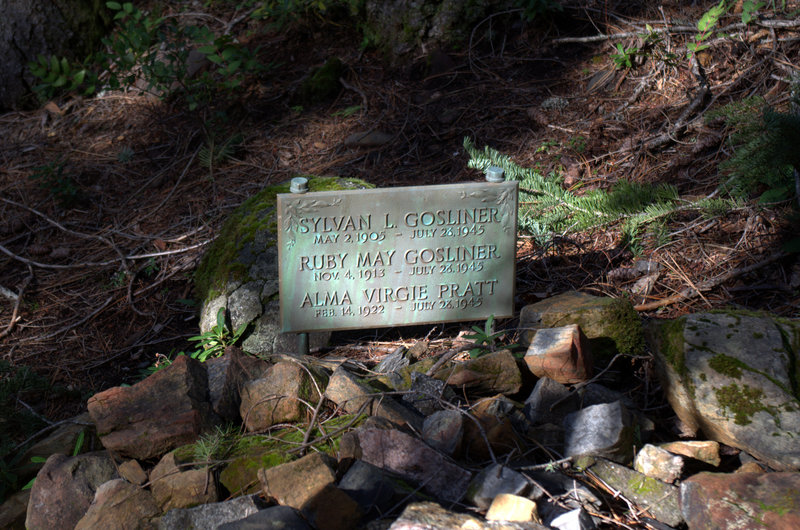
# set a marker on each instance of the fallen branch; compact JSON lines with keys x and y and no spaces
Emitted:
{"x":691,"y":292}
{"x":17,"y":302}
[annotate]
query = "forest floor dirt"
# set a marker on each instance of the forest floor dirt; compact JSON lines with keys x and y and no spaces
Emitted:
{"x":106,"y":281}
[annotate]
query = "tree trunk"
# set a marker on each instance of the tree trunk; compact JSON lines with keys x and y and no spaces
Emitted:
{"x":70,"y":28}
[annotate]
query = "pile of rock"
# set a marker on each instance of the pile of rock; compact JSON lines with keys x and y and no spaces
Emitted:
{"x":492,"y":442}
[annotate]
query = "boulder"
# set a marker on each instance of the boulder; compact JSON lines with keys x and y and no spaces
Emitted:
{"x":120,"y":505}
{"x":375,"y":490}
{"x":65,"y":488}
{"x":132,"y":471}
{"x":239,"y":272}
{"x":562,"y":354}
{"x":730,"y":375}
{"x":168,"y":409}
{"x":62,"y":440}
{"x":741,"y":500}
{"x":408,"y":457}
{"x":610,"y":324}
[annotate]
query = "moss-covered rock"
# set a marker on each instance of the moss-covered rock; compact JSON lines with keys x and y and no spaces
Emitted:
{"x":733,"y":375}
{"x":610,"y":324}
{"x":239,"y":271}
{"x":323,"y":83}
{"x":252,"y":453}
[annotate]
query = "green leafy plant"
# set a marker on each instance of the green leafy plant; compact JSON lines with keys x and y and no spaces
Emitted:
{"x":705,"y":27}
{"x":749,"y":9}
{"x":624,"y":56}
{"x":159,"y":51}
{"x":765,"y":150}
{"x":213,"y":342}
{"x":487,"y":338}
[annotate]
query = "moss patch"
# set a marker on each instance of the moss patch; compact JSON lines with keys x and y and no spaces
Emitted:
{"x":727,"y":365}
{"x":670,"y":338}
{"x":743,"y":402}
{"x":626,"y":327}
{"x":223,"y":262}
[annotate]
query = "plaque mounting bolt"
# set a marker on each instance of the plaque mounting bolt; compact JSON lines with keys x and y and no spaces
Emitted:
{"x":495,"y":174}
{"x":299,"y":185}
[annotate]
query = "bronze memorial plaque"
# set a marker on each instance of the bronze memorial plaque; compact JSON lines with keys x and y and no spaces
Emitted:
{"x":397,"y":256}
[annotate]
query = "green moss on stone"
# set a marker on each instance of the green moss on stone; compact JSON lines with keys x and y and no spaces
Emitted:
{"x":626,"y":327}
{"x":323,"y":83}
{"x":672,"y":344}
{"x":727,"y":365}
{"x":743,"y":402}
{"x":221,"y":263}
{"x":643,"y":485}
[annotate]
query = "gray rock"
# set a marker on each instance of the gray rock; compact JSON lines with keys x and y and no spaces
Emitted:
{"x":408,"y":457}
{"x":65,"y":487}
{"x":549,"y":394}
{"x":120,"y":505}
{"x":576,"y":519}
{"x":426,"y":392}
{"x":494,"y":480}
{"x":273,"y":518}
{"x":211,"y":516}
{"x":244,"y":304}
{"x":239,"y":272}
{"x":395,"y":361}
{"x":443,"y":430}
{"x":372,"y":488}
{"x":226,"y":377}
{"x":13,"y":510}
{"x":730,"y":375}
{"x":61,"y":440}
{"x":600,"y":430}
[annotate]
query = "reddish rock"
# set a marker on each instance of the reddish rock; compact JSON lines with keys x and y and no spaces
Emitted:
{"x":741,"y":500}
{"x":278,"y":396}
{"x":296,"y":483}
{"x":168,"y":409}
{"x":332,"y":509}
{"x":64,"y":489}
{"x":410,"y":458}
{"x":494,"y":373}
{"x":493,"y":416}
{"x":179,"y":487}
{"x":120,"y":505}
{"x":354,"y":397}
{"x":13,"y":510}
{"x":132,"y":471}
{"x":562,"y":354}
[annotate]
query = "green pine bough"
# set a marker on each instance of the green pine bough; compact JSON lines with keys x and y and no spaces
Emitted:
{"x":547,"y":209}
